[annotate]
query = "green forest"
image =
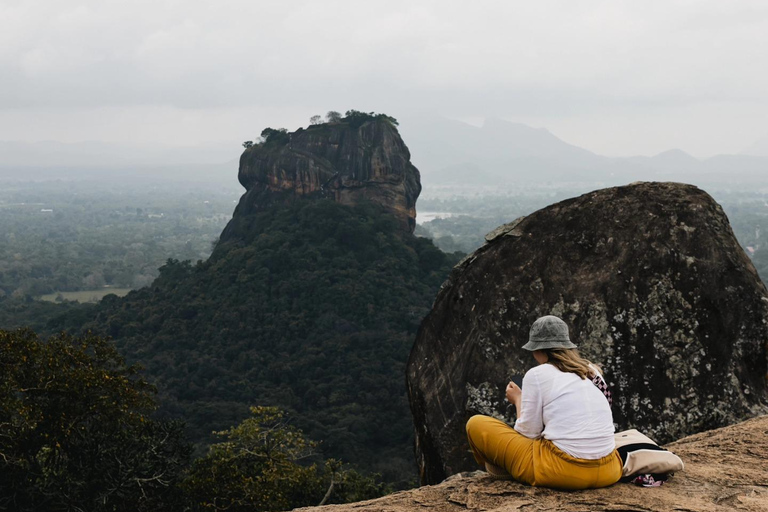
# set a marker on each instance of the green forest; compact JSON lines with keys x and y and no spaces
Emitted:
{"x":315,"y":311}
{"x":77,"y":433}
{"x":299,"y":327}
{"x":68,"y":235}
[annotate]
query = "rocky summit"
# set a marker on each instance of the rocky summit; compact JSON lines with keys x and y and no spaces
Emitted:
{"x":655,"y":288}
{"x":357,"y":158}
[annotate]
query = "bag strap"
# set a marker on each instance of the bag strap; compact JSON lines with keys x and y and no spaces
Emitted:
{"x":598,"y":381}
{"x":624,"y":450}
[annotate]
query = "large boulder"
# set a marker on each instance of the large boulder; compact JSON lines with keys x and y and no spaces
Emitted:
{"x":655,"y":288}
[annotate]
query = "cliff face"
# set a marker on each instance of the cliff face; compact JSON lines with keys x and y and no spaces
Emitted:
{"x":654,"y":287}
{"x":724,"y":470}
{"x":339,"y":161}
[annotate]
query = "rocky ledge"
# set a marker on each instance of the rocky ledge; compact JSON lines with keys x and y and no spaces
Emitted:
{"x":725,"y":469}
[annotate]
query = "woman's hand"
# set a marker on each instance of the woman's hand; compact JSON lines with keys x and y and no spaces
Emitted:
{"x":514,"y":393}
{"x":515,"y":397}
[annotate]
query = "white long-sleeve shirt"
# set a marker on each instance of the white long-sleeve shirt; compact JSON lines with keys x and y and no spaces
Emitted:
{"x":567,"y":410}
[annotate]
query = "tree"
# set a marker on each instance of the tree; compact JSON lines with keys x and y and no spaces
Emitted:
{"x":355,"y":118}
{"x":94,"y":280}
{"x":248,"y":144}
{"x":332,"y":117}
{"x":278,"y":136}
{"x":75,"y":432}
{"x":315,"y":120}
{"x":262,"y":466}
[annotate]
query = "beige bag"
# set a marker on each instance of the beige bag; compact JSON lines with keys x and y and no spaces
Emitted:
{"x":641,"y":455}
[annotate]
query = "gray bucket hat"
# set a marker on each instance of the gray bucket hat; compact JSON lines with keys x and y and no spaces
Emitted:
{"x":548,"y":332}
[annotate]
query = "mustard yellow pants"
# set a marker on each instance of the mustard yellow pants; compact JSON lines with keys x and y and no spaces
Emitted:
{"x":537,"y":462}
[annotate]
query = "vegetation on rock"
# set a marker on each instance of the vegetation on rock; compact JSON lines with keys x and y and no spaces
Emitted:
{"x":278,"y":137}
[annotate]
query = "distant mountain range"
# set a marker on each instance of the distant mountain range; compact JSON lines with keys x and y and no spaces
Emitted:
{"x":450,"y":151}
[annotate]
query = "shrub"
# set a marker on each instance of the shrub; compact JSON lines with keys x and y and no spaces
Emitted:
{"x":75,"y":432}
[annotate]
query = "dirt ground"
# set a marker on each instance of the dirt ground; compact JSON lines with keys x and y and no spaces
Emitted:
{"x":725,"y":469}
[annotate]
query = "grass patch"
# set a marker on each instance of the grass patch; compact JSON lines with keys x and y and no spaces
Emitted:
{"x":85,"y":295}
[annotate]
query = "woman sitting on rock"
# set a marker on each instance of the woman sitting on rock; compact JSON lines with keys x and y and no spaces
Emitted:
{"x":563,"y":436}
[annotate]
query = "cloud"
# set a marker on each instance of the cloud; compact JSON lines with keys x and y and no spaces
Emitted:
{"x":505,"y":58}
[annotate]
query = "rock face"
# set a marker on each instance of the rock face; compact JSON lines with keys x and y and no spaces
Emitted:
{"x":344,"y":161}
{"x":725,"y":470}
{"x":654,"y":287}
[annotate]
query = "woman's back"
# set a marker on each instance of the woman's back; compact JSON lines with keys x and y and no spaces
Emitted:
{"x":563,"y":436}
{"x":567,"y":410}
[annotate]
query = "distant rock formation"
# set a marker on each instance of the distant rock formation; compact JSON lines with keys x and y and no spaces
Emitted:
{"x":724,"y":470}
{"x":347,"y":161}
{"x":654,"y":287}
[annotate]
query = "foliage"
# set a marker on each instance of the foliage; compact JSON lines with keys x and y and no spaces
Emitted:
{"x":263,"y":465}
{"x":279,"y":137}
{"x":75,"y":432}
{"x":749,"y":218}
{"x":37,"y":315}
{"x":248,"y":144}
{"x":355,"y":118}
{"x":760,"y":260}
{"x":116,"y":234}
{"x":313,"y":307}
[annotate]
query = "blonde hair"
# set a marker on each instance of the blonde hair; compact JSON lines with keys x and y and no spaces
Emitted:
{"x":568,"y":360}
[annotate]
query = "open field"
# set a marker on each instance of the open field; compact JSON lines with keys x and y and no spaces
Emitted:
{"x":86,"y":295}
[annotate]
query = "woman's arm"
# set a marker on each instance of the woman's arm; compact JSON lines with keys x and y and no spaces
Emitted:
{"x":529,"y":407}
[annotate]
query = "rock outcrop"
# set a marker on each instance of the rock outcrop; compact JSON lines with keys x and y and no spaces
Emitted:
{"x":346,"y":161}
{"x":725,"y":470}
{"x":654,"y":287}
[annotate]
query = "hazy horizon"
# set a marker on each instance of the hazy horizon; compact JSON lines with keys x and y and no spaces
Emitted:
{"x":446,"y":151}
{"x":619,"y":78}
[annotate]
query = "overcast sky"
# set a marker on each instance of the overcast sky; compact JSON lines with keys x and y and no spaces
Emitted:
{"x":615,"y":77}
